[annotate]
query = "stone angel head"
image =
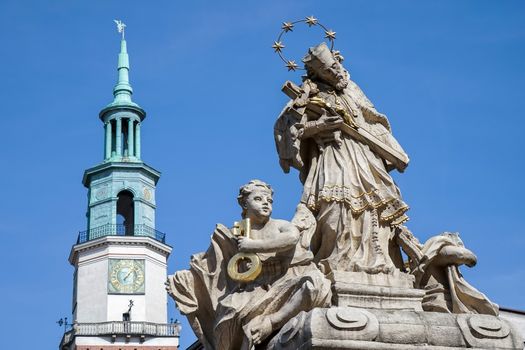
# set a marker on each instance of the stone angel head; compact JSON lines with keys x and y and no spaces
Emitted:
{"x":255,"y":199}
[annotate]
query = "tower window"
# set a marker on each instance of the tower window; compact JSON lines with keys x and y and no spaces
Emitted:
{"x":126,"y":212}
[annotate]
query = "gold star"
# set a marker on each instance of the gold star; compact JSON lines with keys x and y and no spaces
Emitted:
{"x":277,"y":46}
{"x":291,"y":65}
{"x":330,"y":34}
{"x":311,"y":21}
{"x":287,"y":26}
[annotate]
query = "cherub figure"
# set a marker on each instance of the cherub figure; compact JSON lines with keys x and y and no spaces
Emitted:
{"x":247,"y":314}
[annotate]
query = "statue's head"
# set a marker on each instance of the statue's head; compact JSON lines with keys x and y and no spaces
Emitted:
{"x":255,"y":199}
{"x":322,"y":64}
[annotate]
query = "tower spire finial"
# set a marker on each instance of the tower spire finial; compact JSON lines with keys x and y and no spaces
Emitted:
{"x":121,"y":26}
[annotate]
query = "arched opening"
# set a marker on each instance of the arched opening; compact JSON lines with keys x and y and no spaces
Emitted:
{"x":113,"y":145}
{"x":124,"y":139}
{"x":126,"y":212}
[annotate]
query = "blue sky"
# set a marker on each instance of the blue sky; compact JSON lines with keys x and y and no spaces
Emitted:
{"x":448,"y":74}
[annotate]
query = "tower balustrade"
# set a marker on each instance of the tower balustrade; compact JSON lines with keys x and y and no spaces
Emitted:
{"x":120,"y":230}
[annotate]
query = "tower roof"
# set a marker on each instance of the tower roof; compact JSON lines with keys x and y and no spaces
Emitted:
{"x":122,"y":91}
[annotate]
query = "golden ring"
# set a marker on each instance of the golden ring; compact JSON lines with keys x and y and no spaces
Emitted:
{"x":248,"y":276}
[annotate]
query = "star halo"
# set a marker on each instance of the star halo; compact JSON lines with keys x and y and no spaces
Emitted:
{"x":286,"y":27}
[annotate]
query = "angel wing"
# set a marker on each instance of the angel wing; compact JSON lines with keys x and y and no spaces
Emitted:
{"x":120,"y":25}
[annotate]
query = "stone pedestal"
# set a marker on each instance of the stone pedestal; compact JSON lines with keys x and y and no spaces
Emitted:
{"x":353,"y":328}
{"x":379,"y":291}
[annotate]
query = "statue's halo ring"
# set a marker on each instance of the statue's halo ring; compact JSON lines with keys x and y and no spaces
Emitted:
{"x":311,"y":21}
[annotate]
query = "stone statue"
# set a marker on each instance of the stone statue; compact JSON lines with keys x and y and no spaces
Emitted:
{"x":435,"y":266}
{"x":346,"y":181}
{"x":334,"y":277}
{"x":229,"y":315}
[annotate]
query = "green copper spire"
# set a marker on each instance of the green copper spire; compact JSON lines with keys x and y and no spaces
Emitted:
{"x":122,"y":117}
{"x":122,"y":91}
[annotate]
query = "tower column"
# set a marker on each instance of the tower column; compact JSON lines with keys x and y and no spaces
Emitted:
{"x":137,"y":140}
{"x":130,"y":137}
{"x":108,"y":140}
{"x":119,"y":137}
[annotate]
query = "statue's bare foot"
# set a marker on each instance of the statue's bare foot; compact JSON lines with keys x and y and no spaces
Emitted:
{"x":261,"y":328}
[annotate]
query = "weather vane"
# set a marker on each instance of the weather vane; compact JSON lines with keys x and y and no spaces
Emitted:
{"x":120,"y":26}
{"x":311,"y":21}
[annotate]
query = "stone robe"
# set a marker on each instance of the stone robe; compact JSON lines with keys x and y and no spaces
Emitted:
{"x":346,"y":185}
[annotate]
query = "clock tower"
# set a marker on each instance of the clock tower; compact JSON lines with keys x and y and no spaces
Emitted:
{"x":120,"y":260}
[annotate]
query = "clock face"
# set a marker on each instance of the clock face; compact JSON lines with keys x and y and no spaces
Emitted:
{"x":126,"y":276}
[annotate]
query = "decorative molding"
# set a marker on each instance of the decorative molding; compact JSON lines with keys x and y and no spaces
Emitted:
{"x":145,"y":241}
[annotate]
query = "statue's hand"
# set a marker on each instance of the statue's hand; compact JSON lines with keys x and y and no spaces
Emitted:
{"x":332,"y":122}
{"x":324,"y":125}
{"x":247,"y":245}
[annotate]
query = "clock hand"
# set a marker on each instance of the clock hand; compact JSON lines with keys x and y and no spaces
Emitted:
{"x":129,"y":273}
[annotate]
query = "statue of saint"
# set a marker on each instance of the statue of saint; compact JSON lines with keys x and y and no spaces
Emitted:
{"x":246,"y":314}
{"x":265,"y":280}
{"x":346,"y":179}
{"x":264,"y":283}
